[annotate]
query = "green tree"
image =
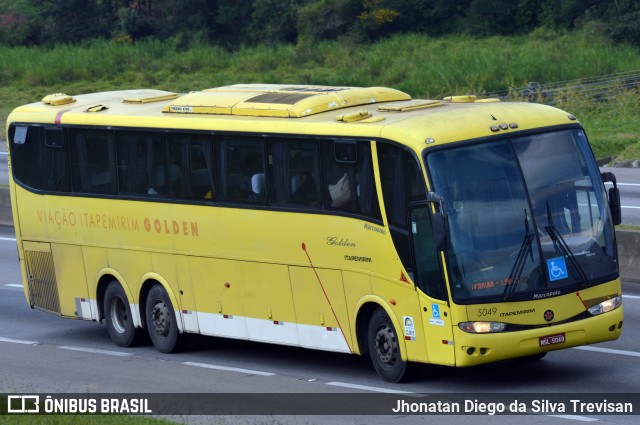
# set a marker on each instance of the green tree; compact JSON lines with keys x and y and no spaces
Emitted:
{"x":624,"y":21}
{"x":232,"y":18}
{"x":326,"y":19}
{"x":273,"y":21}
{"x":433,"y":17}
{"x":490,"y":17}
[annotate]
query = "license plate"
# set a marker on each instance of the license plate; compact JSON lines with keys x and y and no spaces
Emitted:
{"x":552,"y":339}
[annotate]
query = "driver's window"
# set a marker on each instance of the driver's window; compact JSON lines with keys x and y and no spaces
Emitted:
{"x":428,"y":271}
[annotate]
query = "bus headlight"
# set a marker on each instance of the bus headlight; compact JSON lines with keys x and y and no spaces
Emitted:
{"x":606,"y":306}
{"x":482,"y":327}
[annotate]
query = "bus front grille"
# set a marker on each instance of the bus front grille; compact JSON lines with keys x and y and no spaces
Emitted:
{"x":43,"y":288}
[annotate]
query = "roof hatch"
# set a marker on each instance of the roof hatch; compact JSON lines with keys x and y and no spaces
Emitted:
{"x":410,"y":106}
{"x":57,"y":99}
{"x":274,"y":100}
{"x":148,"y":96}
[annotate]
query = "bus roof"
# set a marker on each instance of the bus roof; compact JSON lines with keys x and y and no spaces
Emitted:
{"x":298,"y":109}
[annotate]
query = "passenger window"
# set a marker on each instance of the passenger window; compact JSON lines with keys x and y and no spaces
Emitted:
{"x":93,"y":161}
{"x":243,"y":170}
{"x":401,"y":180}
{"x":190,"y":173}
{"x":295,"y":172}
{"x":348,"y":178}
{"x":140,"y":163}
{"x":25,"y":143}
{"x":55,"y":162}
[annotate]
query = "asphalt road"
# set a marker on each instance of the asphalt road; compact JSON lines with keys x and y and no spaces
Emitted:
{"x":44,"y":354}
{"x":4,"y":177}
{"x":628,"y":180}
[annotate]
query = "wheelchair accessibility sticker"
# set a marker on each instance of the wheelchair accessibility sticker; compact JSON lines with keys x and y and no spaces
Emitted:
{"x":436,"y":320}
{"x":557,"y":269}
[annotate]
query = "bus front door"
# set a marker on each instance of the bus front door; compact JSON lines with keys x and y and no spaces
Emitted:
{"x":429,"y":278}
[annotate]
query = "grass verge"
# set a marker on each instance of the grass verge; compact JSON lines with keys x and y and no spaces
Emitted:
{"x":420,"y":65}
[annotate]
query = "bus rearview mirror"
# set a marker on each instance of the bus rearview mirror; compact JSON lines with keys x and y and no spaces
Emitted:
{"x":441,"y":235}
{"x":614,"y":205}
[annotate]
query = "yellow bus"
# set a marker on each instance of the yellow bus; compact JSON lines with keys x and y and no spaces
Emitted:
{"x":359,"y":220}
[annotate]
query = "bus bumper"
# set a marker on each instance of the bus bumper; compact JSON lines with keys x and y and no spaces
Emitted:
{"x":474,"y":349}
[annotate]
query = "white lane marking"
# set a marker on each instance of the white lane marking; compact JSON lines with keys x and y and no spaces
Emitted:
{"x":95,"y":351}
{"x":609,"y":351}
{"x":633,"y":297}
{"x":633,"y":208}
{"x":7,"y":239}
{"x":229,"y":369}
{"x":628,"y":184}
{"x":574,"y":417}
{"x":14,"y":285}
{"x":18,"y":341}
{"x":367,"y":388}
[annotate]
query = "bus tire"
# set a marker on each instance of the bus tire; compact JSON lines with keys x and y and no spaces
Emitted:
{"x":161,"y":322}
{"x":117,"y":315}
{"x":384,"y":349}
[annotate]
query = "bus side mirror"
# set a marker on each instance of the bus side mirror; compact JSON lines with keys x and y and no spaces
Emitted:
{"x":441,"y":235}
{"x":439,"y":223}
{"x":614,"y":198}
{"x":614,"y":205}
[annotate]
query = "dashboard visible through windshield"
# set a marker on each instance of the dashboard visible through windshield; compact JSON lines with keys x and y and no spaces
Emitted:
{"x":527,"y":215}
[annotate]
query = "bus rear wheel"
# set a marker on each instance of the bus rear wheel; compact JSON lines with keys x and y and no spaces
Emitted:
{"x":161,"y":322}
{"x":384,"y":349}
{"x":117,"y":315}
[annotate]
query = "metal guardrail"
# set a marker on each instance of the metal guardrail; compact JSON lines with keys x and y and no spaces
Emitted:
{"x":598,"y":88}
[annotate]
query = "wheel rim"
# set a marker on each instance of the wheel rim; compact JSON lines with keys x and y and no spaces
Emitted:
{"x":386,"y":345}
{"x":119,"y":315}
{"x":160,"y":318}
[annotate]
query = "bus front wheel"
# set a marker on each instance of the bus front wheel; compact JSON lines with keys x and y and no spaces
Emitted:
{"x":161,"y":322}
{"x":117,"y":315}
{"x":384,"y":349}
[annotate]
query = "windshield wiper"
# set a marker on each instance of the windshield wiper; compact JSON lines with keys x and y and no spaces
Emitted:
{"x":559,"y":241}
{"x":518,"y":265}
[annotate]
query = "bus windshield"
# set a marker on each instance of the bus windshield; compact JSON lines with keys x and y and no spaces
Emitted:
{"x":528,"y":217}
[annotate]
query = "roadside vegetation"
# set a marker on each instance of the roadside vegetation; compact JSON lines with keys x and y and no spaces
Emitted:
{"x":428,"y":48}
{"x":418,"y":64}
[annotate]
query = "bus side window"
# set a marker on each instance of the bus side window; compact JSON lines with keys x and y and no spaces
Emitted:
{"x":348,"y":178}
{"x":25,"y":143}
{"x":140,"y":159}
{"x":55,"y":162}
{"x":428,"y":271}
{"x":93,"y":161}
{"x":243,"y":170}
{"x":401,"y":180}
{"x":295,"y":172}
{"x":190,"y":173}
